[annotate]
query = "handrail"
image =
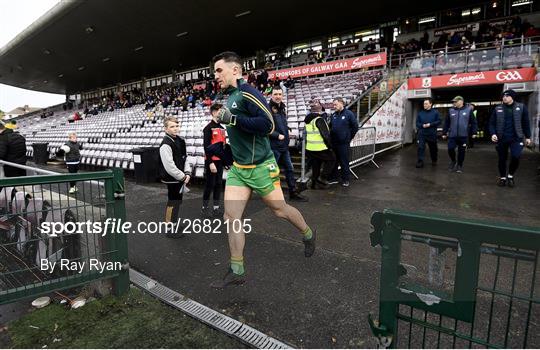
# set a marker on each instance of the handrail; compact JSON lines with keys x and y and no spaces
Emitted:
{"x":42,"y":171}
{"x":361,"y":96}
{"x":491,"y":45}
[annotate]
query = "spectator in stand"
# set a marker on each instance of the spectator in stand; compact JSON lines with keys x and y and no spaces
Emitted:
{"x":455,"y":40}
{"x":269,"y":89}
{"x":370,"y":46}
{"x":532,"y":32}
{"x":424,"y":42}
{"x":252,"y":79}
{"x":13,"y":150}
{"x":262,"y":80}
{"x":207,"y":101}
{"x":289,"y":82}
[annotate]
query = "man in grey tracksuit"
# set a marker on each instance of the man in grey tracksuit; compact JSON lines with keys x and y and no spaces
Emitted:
{"x":459,"y":123}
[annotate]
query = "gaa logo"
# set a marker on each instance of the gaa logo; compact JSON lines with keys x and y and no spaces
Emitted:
{"x":426,"y":82}
{"x":508,"y":75}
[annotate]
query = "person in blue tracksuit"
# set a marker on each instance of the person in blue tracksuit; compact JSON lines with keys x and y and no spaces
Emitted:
{"x":343,"y":127}
{"x":457,"y":126}
{"x":508,"y":126}
{"x":427,"y":122}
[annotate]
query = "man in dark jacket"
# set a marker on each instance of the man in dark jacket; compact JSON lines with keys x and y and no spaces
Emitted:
{"x":13,"y":150}
{"x":344,"y":126}
{"x":279,"y":142}
{"x":508,"y":126}
{"x":319,"y":146}
{"x":427,"y":122}
{"x":457,"y":126}
{"x":72,"y":156}
{"x":174,"y":171}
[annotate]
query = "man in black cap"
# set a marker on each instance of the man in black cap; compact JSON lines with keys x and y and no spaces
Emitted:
{"x":508,"y":126}
{"x":457,"y":125}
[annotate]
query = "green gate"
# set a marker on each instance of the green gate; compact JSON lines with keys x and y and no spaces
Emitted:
{"x":32,"y":209}
{"x":454,"y":283}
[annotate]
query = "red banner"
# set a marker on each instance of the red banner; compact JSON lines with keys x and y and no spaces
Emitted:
{"x":474,"y":78}
{"x":374,"y":60}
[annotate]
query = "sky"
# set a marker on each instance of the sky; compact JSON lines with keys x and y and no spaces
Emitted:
{"x":15,"y":16}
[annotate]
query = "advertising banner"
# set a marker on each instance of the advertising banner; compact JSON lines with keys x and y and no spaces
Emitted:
{"x":374,"y":60}
{"x":474,"y":78}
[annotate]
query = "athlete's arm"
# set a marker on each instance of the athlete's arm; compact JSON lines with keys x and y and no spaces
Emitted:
{"x":261,"y":121}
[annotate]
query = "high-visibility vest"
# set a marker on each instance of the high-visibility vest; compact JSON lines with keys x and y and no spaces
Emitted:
{"x":314,"y":140}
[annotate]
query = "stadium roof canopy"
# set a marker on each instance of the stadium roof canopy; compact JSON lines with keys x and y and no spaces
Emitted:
{"x":82,"y":45}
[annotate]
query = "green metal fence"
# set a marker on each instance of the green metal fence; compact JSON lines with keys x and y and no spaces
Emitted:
{"x":454,"y":283}
{"x":31,"y":206}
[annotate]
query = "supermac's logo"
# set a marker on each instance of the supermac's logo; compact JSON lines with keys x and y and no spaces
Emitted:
{"x":508,"y":76}
{"x":466,"y":79}
{"x":359,"y":62}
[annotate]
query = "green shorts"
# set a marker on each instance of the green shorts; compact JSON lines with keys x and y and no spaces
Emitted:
{"x":262,"y":178}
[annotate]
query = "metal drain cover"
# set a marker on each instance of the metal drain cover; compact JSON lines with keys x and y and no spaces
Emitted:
{"x":241,"y":331}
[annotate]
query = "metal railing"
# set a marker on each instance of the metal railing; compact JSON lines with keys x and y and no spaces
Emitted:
{"x":46,"y":238}
{"x":368,"y":103}
{"x":484,"y":56}
{"x":454,"y":283}
{"x":362,"y":151}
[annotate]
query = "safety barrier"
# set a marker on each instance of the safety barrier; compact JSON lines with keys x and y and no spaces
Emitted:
{"x":42,"y":225}
{"x":362,"y":151}
{"x":453,"y":283}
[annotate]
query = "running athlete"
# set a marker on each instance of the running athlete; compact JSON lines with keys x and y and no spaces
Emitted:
{"x":249,"y":122}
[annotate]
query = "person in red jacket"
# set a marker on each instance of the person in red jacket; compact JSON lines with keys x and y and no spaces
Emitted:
{"x":213,"y":133}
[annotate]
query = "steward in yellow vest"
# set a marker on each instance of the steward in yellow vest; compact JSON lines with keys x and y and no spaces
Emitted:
{"x":318,"y":146}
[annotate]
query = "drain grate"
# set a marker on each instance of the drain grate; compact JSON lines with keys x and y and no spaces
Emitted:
{"x":246,"y":334}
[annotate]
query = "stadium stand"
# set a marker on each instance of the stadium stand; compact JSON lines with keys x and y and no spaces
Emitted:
{"x":109,"y":136}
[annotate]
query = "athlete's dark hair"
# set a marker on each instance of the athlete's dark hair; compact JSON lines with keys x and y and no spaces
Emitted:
{"x":429,"y":99}
{"x":215,"y":107}
{"x":229,"y":57}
